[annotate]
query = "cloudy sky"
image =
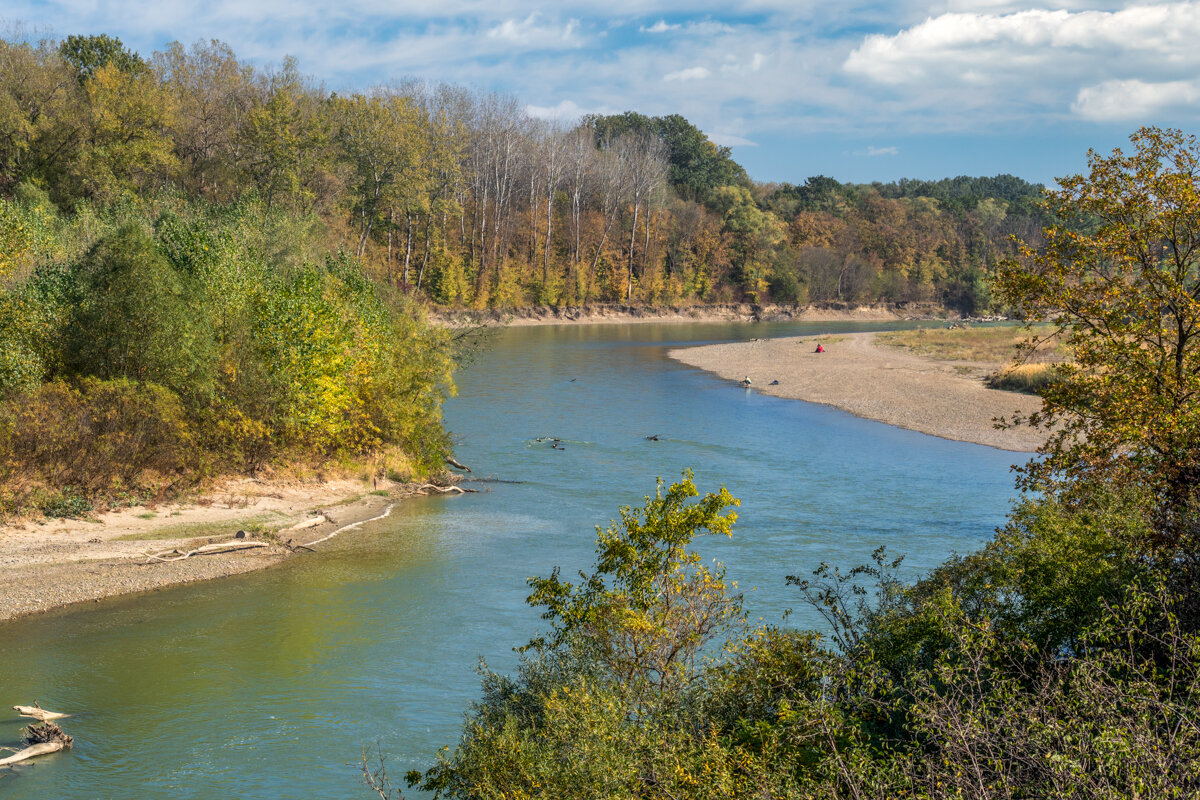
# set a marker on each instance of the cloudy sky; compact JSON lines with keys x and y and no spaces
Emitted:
{"x":858,"y":89}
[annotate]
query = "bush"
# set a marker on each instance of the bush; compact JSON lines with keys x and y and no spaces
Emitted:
{"x":135,"y":319}
{"x":94,"y":439}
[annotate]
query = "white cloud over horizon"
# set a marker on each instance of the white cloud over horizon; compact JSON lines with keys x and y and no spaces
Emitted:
{"x":1040,"y":62}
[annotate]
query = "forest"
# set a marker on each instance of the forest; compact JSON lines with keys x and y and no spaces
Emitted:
{"x":212,"y":267}
{"x":463,"y":199}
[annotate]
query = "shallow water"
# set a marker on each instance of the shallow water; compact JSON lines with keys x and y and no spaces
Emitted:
{"x":267,"y":685}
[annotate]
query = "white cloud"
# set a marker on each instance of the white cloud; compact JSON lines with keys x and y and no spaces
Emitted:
{"x":659,"y":27}
{"x":873,"y":151}
{"x":730,"y":140}
{"x":566,"y":111}
{"x":529,"y":33}
{"x":971,"y":47}
{"x":1132,"y":99}
{"x":689,"y":74}
{"x":963,"y":68}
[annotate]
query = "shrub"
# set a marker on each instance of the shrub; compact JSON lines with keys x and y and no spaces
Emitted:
{"x":135,"y":320}
{"x":94,"y":439}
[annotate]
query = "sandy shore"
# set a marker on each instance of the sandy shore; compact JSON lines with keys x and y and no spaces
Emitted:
{"x":601,"y":313}
{"x":941,"y":398}
{"x":53,"y":563}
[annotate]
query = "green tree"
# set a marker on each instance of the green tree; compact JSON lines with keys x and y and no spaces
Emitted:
{"x":88,"y":54}
{"x":128,"y":146}
{"x":1120,"y":279}
{"x":650,"y":606}
{"x":286,"y":139}
{"x":136,"y":319}
{"x":40,"y":123}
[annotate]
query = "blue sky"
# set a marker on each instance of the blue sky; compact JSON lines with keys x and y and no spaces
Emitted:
{"x":859,"y":90}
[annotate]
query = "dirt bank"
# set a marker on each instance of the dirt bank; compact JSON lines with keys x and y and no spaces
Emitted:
{"x":941,"y":398}
{"x":728,"y":312}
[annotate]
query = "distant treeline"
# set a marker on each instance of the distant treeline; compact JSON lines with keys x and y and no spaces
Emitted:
{"x":466,"y":200}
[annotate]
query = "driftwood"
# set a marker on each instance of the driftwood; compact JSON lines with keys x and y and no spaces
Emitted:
{"x":457,"y":465}
{"x":308,"y":523}
{"x":426,"y":488}
{"x":206,"y":550}
{"x":349,"y":527}
{"x":43,"y":738}
{"x":37,"y":712}
{"x":32,"y":751}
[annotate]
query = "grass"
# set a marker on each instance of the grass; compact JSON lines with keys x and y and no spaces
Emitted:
{"x":257,"y":524}
{"x":993,"y":344}
{"x":1025,"y":378}
{"x":147,"y":515}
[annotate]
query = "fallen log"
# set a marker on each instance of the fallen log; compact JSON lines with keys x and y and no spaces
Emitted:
{"x":37,"y":712}
{"x":33,"y":751}
{"x":309,"y":523}
{"x":43,"y":738}
{"x":206,"y":550}
{"x":457,"y":465}
{"x":349,"y":527}
{"x":426,"y":488}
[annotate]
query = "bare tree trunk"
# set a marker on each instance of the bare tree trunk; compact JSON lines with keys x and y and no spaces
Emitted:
{"x":391,"y":230}
{"x":408,"y":245}
{"x":646,"y":246}
{"x":425,"y":259}
{"x":632,"y":239}
{"x":549,"y":219}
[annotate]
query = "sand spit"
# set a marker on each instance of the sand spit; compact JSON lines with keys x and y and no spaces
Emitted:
{"x":53,"y":563}
{"x":940,"y":398}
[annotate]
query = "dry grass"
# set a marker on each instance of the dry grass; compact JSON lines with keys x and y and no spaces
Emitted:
{"x":993,"y":344}
{"x":1025,"y":378}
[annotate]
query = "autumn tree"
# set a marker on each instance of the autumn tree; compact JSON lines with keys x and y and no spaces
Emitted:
{"x":213,"y":95}
{"x":1120,"y":279}
{"x":39,"y":121}
{"x":128,"y":146}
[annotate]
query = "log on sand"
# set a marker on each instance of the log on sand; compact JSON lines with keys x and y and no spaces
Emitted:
{"x":312,"y":522}
{"x":206,"y":550}
{"x":426,"y":488}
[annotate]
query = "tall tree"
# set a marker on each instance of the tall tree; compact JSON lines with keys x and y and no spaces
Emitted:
{"x":1120,"y":278}
{"x":213,"y":95}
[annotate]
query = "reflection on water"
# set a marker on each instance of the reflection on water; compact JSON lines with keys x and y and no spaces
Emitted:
{"x":267,"y":685}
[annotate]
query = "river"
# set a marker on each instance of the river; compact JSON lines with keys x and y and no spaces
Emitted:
{"x":268,"y":685}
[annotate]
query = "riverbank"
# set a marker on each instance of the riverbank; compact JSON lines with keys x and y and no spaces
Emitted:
{"x":53,"y":563}
{"x":616,"y":313}
{"x":856,"y":374}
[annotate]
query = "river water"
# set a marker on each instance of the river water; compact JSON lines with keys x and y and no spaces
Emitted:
{"x":268,"y":685}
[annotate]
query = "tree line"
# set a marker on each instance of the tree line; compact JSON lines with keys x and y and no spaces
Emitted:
{"x":464,"y":199}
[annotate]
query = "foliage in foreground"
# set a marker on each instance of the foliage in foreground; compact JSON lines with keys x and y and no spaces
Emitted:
{"x":1054,"y":663}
